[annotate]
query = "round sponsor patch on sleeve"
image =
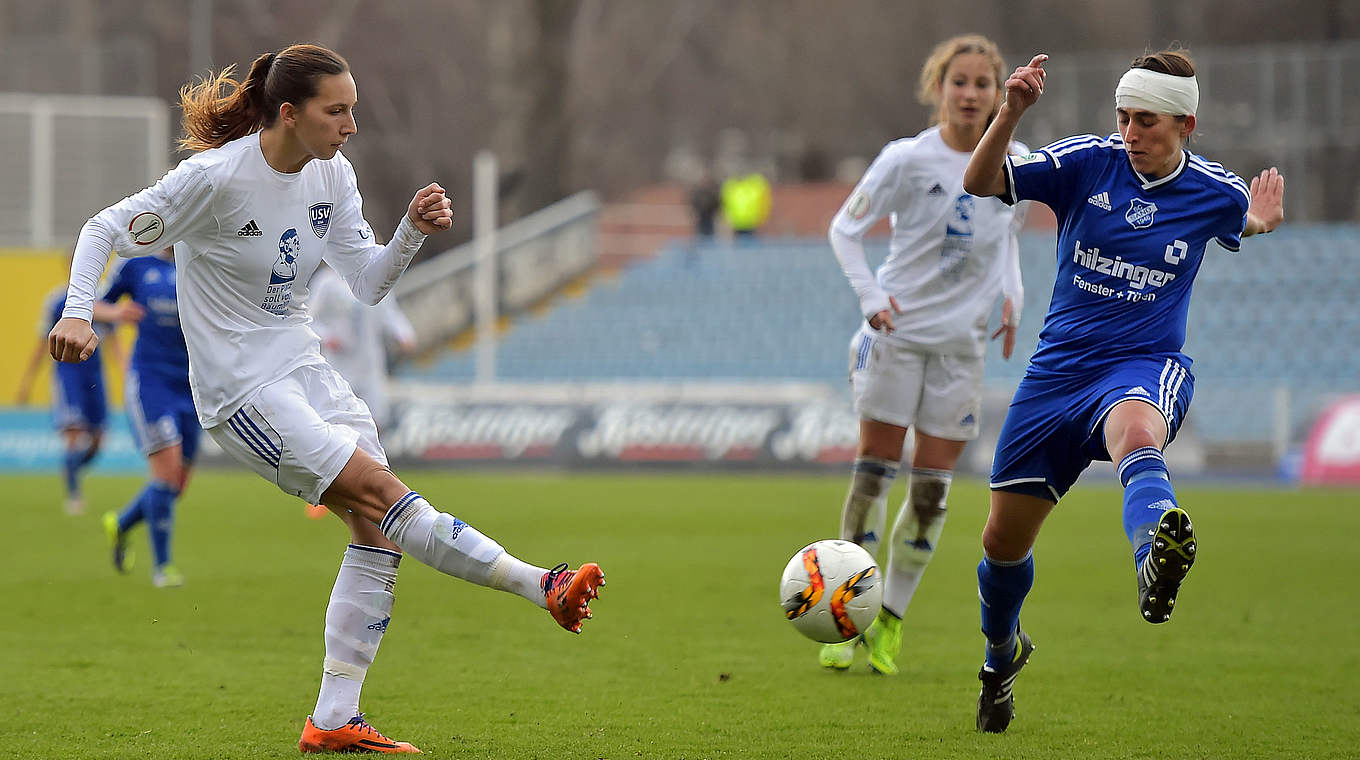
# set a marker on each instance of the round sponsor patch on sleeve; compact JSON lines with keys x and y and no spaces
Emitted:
{"x":858,"y":207}
{"x":146,"y":228}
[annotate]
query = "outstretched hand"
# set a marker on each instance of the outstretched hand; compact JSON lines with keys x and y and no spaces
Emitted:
{"x":431,"y":210}
{"x":1267,"y":200}
{"x":128,"y":311}
{"x":1024,"y":87}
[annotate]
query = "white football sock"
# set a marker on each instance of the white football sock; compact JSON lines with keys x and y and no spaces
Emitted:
{"x":915,"y":536}
{"x":864,"y":517}
{"x":356,"y":619}
{"x":453,"y":547}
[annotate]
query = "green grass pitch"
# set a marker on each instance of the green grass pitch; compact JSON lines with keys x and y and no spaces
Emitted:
{"x":688,"y":655}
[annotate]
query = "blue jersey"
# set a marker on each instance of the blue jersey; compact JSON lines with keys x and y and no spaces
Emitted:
{"x":150,"y":281}
{"x":77,"y":389}
{"x":1129,"y":247}
{"x":52,"y":308}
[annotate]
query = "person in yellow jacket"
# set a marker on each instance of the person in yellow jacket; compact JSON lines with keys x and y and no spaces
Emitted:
{"x":746,"y":203}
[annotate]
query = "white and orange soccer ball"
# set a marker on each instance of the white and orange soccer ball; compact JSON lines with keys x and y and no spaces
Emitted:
{"x":831,"y":590}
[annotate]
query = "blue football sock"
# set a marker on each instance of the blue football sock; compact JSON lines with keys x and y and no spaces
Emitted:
{"x":70,"y":470}
{"x":159,"y":508}
{"x":1147,"y":494}
{"x":87,"y":454}
{"x":134,"y":512}
{"x":1002,"y":587}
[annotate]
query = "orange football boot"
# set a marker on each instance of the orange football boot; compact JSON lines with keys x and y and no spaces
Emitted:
{"x":354,"y":736}
{"x":568,"y":593}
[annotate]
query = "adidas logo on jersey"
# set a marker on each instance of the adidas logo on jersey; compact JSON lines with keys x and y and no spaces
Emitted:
{"x":250,"y":230}
{"x":936,"y":190}
{"x":1138,"y":390}
{"x":1100,"y":200}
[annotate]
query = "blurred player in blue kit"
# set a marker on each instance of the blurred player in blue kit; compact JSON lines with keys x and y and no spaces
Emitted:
{"x":1136,"y":211}
{"x":79,"y":403}
{"x":160,"y":409}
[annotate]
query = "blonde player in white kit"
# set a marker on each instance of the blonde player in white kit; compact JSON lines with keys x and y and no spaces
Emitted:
{"x":352,"y":338}
{"x":257,"y":210}
{"x":916,"y":362}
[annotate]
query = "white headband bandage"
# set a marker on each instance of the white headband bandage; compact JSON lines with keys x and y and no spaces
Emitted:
{"x":1157,"y":92}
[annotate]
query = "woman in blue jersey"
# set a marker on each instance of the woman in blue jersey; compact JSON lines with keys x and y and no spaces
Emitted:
{"x":79,"y":405}
{"x":160,"y":409}
{"x":1136,"y":211}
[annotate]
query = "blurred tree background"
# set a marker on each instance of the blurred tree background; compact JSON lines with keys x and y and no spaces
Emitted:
{"x":612,"y":95}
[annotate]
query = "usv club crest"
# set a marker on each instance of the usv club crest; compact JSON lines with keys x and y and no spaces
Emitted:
{"x":321,"y":218}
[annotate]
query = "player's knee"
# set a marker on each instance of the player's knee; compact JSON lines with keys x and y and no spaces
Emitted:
{"x":365,"y":487}
{"x":170,"y":474}
{"x":379,"y":490}
{"x":1002,"y":545}
{"x":1137,"y":436}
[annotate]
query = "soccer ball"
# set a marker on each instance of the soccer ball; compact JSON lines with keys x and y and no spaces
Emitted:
{"x":831,"y":591}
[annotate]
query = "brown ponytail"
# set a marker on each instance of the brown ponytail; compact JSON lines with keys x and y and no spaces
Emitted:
{"x":218,"y":109}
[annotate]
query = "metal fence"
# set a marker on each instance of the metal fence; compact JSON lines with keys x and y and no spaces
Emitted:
{"x":1290,"y":106}
{"x":65,"y":157}
{"x":535,"y":257}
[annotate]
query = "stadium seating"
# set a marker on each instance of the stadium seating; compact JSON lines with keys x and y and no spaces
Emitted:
{"x":1278,"y":315}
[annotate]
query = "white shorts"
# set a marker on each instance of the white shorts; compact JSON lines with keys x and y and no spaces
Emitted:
{"x":300,"y":430}
{"x":940,"y":394}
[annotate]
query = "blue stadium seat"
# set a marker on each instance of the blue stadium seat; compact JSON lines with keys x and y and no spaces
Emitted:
{"x":1280,"y":313}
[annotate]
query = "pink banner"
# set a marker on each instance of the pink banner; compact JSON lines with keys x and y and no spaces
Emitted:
{"x":1332,"y":455}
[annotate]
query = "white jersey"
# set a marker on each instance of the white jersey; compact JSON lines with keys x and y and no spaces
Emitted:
{"x":252,"y":237}
{"x":951,"y":254}
{"x":352,"y":332}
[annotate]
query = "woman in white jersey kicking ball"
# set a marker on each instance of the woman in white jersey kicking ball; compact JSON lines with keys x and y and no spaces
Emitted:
{"x":916,"y":361}
{"x":265,"y":201}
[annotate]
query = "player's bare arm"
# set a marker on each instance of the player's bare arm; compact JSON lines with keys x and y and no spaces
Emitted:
{"x":985,"y":176}
{"x":1266,"y":211}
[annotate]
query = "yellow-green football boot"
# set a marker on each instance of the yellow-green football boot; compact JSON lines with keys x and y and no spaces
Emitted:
{"x":838,"y":656}
{"x":122,"y":558}
{"x":884,"y":641}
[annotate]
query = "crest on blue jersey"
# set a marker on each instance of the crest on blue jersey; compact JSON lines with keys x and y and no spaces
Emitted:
{"x":321,"y":218}
{"x":1140,"y":213}
{"x":285,"y":266}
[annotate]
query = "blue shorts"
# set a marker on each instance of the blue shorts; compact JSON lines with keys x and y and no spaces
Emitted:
{"x":78,"y":395}
{"x":161,"y":413}
{"x":1055,"y":426}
